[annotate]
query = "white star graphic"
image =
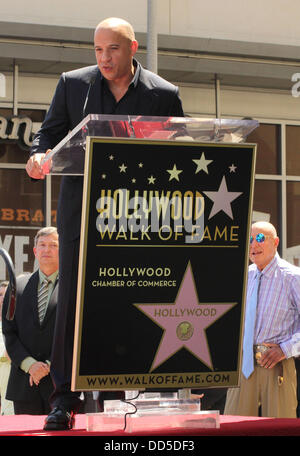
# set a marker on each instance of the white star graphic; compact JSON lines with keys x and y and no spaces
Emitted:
{"x":151,"y":179}
{"x":174,"y":173}
{"x":222,"y":199}
{"x":202,"y":164}
{"x":123,"y":168}
{"x":232,"y":168}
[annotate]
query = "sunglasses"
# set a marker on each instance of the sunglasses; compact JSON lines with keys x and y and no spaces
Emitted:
{"x":260,"y":238}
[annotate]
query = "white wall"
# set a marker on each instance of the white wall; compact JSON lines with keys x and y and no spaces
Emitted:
{"x":267,"y":21}
{"x":76,"y":13}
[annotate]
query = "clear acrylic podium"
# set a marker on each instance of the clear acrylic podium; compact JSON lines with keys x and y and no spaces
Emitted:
{"x":67,"y":157}
{"x":146,"y":410}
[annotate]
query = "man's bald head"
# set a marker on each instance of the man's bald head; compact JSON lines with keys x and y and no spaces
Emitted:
{"x":118,"y":25}
{"x":266,"y":228}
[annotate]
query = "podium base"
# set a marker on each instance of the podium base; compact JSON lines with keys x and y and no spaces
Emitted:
{"x":152,"y":412}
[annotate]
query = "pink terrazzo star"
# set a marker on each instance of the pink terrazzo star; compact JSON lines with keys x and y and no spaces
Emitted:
{"x":184,"y":322}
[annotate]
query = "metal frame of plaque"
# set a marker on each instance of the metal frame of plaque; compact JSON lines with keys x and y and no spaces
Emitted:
{"x":167,"y":206}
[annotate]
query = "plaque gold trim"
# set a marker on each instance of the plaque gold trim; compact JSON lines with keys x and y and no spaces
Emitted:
{"x":86,"y":382}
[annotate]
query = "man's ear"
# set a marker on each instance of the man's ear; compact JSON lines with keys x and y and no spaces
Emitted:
{"x":134,"y":47}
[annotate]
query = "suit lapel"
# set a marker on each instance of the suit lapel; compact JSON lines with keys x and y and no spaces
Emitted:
{"x":34,"y":300}
{"x":147,"y":95}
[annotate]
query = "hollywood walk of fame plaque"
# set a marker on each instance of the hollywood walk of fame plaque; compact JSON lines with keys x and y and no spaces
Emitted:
{"x":163,"y":264}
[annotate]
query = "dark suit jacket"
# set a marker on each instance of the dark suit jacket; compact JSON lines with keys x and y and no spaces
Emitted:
{"x":25,"y":336}
{"x":155,"y":97}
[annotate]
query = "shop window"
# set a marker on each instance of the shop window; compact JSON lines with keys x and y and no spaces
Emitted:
{"x":21,"y":199}
{"x":293,"y":150}
{"x":16,"y":136}
{"x":19,"y":244}
{"x":267,"y":138}
{"x":21,"y":215}
{"x":266,"y":203}
{"x":293,"y":222}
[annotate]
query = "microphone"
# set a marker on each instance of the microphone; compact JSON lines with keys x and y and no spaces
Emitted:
{"x":92,"y":81}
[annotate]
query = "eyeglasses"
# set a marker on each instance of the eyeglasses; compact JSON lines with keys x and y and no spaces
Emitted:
{"x":260,"y":238}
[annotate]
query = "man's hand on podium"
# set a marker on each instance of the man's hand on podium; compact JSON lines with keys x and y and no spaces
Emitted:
{"x":34,"y":165}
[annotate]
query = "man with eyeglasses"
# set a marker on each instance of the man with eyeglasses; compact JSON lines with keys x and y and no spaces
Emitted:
{"x":268,"y":385}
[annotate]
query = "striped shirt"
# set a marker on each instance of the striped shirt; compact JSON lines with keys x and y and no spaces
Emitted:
{"x":278,"y":308}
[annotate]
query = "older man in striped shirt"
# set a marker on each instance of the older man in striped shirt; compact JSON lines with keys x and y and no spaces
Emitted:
{"x":268,"y":379}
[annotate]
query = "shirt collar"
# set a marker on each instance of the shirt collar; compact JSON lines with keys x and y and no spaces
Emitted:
{"x":270,"y":268}
{"x":136,"y":75}
{"x":50,"y":278}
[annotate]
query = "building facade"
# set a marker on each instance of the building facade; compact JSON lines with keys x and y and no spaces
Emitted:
{"x":231,"y":62}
